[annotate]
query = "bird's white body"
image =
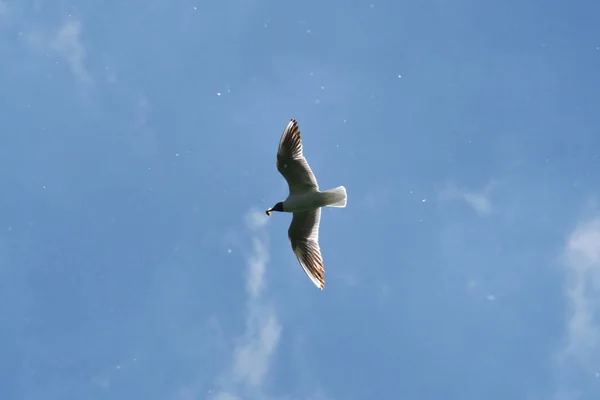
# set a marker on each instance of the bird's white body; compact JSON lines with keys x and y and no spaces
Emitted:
{"x":312,"y":199}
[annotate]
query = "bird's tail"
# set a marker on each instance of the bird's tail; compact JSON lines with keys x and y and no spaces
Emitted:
{"x":335,"y":197}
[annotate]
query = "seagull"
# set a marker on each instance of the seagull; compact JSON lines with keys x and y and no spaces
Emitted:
{"x":304,"y":201}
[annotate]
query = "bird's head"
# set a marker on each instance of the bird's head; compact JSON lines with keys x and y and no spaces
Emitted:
{"x":276,"y":207}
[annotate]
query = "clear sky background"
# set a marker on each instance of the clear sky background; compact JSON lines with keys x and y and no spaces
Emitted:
{"x":137,"y":157}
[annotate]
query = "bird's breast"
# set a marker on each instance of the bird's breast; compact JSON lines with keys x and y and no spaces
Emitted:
{"x":303,"y":202}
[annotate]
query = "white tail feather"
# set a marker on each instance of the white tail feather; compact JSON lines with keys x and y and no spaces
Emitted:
{"x":335,"y":197}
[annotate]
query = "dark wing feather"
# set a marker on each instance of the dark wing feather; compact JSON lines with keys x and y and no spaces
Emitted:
{"x":292,"y":164}
{"x":304,"y":237}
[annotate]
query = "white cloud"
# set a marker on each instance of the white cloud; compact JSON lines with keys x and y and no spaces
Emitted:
{"x":142,"y":137}
{"x":479,"y":201}
{"x":252,"y":357}
{"x":579,"y":357}
{"x":256,"y":219}
{"x":142,"y":111}
{"x":256,"y":271}
{"x":5,"y":21}
{"x":582,"y":260}
{"x":3,"y":9}
{"x":254,"y":351}
{"x":67,"y":43}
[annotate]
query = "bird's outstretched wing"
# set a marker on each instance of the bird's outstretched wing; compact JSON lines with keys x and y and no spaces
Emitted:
{"x":292,"y":164}
{"x":304,"y":236}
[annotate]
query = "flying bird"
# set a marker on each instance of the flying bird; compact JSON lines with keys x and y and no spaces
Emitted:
{"x":304,"y":201}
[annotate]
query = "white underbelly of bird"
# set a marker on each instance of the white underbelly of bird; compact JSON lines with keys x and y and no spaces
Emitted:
{"x":315,"y":199}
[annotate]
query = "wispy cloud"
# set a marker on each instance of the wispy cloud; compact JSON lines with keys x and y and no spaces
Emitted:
{"x":67,"y":43}
{"x":479,"y":201}
{"x":252,"y":357}
{"x":580,"y":354}
{"x":142,"y":137}
{"x":142,"y":111}
{"x":3,"y":9}
{"x":256,"y":271}
{"x":254,"y":351}
{"x":255,"y":219}
{"x":479,"y":290}
{"x":582,"y":260}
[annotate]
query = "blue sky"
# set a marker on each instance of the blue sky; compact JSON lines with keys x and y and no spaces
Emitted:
{"x":137,"y":157}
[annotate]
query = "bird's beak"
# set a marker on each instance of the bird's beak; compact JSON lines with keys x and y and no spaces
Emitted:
{"x":268,"y":212}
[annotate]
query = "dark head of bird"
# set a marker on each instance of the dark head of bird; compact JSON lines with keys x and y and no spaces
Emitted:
{"x":276,"y":207}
